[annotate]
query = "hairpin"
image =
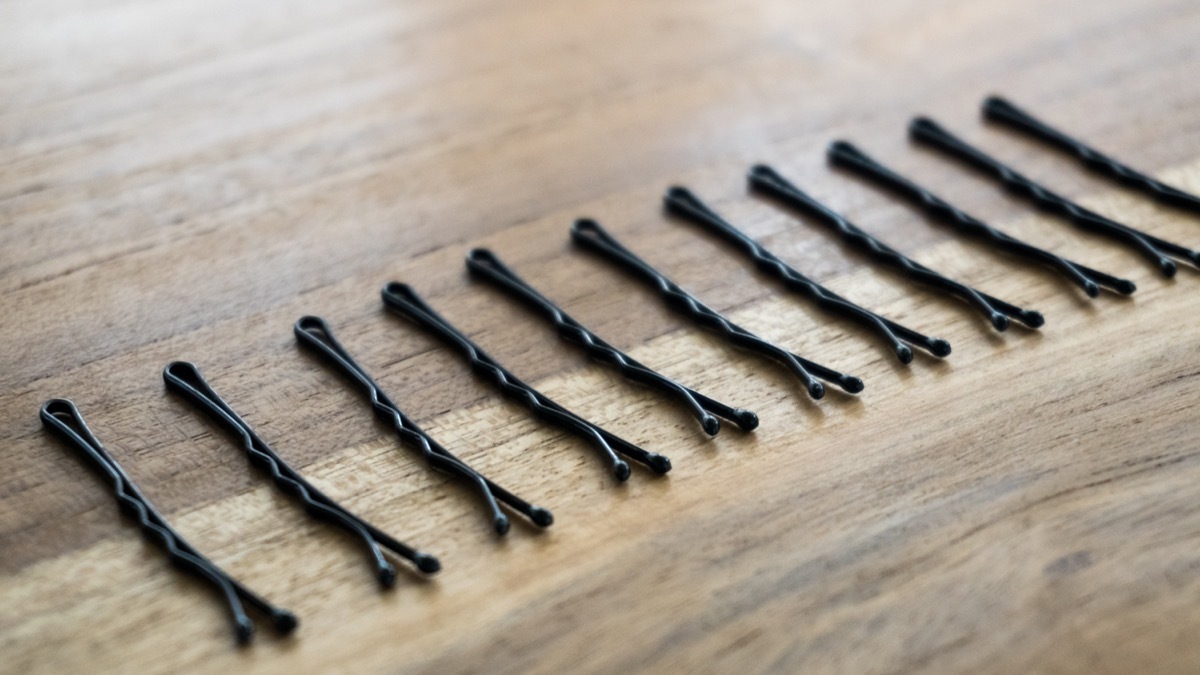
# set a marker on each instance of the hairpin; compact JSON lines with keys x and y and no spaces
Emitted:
{"x":487,"y":265}
{"x":769,"y":181}
{"x":997,"y":109}
{"x":927,"y":131}
{"x":402,"y":299}
{"x":314,"y":333}
{"x":848,"y":156}
{"x":680,"y":201}
{"x":185,"y":379}
{"x":63,"y":419}
{"x":589,"y":235}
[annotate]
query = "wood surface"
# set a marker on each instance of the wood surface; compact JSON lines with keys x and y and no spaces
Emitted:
{"x":185,"y":178}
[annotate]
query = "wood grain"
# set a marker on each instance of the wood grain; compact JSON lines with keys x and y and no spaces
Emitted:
{"x":184,"y":179}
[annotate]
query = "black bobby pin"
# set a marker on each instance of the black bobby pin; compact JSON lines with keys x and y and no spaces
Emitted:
{"x":1156,"y":250}
{"x":997,"y":109}
{"x":589,"y":235}
{"x":845,"y":155}
{"x":997,"y":311}
{"x":314,"y":333}
{"x":63,"y":419}
{"x":486,"y":265}
{"x":185,"y":379}
{"x":402,"y":299}
{"x":680,"y":201}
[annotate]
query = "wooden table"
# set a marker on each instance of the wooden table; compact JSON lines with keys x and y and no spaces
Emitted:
{"x":184,"y":179}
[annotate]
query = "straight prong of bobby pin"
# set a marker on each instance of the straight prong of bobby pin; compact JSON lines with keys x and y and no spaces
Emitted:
{"x":1000,"y":110}
{"x":186,"y":380}
{"x":997,"y":311}
{"x":589,"y":235}
{"x":848,"y":156}
{"x":486,"y":265}
{"x":402,"y":299}
{"x":315,"y":334}
{"x":63,"y":419}
{"x":1154,"y":249}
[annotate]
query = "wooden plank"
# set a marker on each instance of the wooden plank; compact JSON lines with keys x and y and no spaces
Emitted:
{"x":185,"y":179}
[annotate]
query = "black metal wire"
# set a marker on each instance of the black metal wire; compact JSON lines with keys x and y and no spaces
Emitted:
{"x":314,"y":333}
{"x":893,"y":333}
{"x":402,"y":299}
{"x":589,"y":235}
{"x":486,"y":265}
{"x":63,"y":419}
{"x":845,"y":155}
{"x":925,"y":130}
{"x":185,"y":379}
{"x":997,"y":109}
{"x":771,"y":182}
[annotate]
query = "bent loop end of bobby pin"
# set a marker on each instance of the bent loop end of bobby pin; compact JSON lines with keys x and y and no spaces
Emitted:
{"x":314,"y":333}
{"x":185,"y":379}
{"x":488,"y":266}
{"x":62,"y":418}
{"x":849,"y":156}
{"x":401,"y":298}
{"x":589,"y":234}
{"x":1000,"y":110}
{"x":1152,"y":248}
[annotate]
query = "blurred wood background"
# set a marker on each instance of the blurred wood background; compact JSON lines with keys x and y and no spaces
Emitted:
{"x":184,"y":179}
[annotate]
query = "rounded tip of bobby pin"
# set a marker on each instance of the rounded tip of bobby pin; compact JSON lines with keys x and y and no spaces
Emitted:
{"x":1033,"y":318}
{"x":999,"y":321}
{"x":816,"y":390}
{"x":1093,"y":289}
{"x":710,"y":424}
{"x":284,"y":621}
{"x":658,"y":463}
{"x":904,"y":353}
{"x":939,"y":347}
{"x":747,"y":420}
{"x":387,"y":575}
{"x":621,"y":470}
{"x":243,"y":630}
{"x":1126,"y":287}
{"x":851,"y":384}
{"x":541,"y":517}
{"x":1167,"y":267}
{"x":501,"y":524}
{"x":427,"y":563}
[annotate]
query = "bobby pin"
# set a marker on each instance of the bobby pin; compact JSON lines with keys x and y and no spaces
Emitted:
{"x":314,"y":333}
{"x":402,"y":299}
{"x":63,"y":419}
{"x":1156,"y":250}
{"x":1000,"y":110}
{"x":680,"y":201}
{"x":589,"y":235}
{"x":485,"y":264}
{"x":768,"y":180}
{"x":848,"y":156}
{"x":185,"y":379}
